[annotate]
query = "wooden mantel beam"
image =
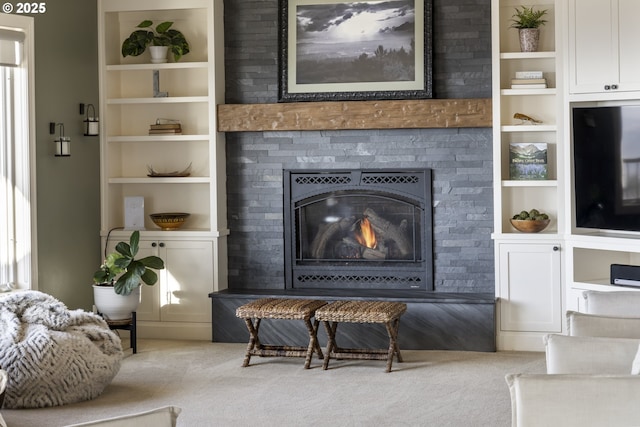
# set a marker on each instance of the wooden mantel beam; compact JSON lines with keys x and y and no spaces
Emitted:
{"x":394,"y":114}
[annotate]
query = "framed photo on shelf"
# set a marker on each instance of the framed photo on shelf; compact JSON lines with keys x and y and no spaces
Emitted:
{"x":528,"y":161}
{"x":354,"y":50}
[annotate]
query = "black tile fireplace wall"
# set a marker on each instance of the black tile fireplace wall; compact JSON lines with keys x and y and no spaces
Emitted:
{"x":461,"y":159}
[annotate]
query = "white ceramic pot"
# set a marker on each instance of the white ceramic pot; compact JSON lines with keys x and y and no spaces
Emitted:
{"x":113,"y":306}
{"x":158,"y":54}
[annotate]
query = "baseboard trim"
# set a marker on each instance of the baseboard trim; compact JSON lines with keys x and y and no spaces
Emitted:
{"x":175,"y":330}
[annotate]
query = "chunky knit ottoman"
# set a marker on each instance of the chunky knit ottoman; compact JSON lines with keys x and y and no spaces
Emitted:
{"x":52,"y":355}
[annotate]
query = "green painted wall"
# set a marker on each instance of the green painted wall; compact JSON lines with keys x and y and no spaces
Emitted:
{"x":68,"y":189}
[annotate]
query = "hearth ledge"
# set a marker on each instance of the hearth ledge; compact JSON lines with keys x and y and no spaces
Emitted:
{"x":358,"y":294}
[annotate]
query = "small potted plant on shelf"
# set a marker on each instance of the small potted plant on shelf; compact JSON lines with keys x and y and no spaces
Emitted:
{"x":117,"y":298}
{"x":160,"y":40}
{"x":528,"y":21}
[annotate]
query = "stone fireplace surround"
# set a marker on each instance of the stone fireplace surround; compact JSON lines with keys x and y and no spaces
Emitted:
{"x":408,"y":135}
{"x":450,"y":318}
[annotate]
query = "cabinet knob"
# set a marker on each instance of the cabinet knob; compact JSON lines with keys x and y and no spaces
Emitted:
{"x":614,"y":87}
{"x":607,"y":87}
{"x":162,"y":244}
{"x":154,"y":244}
{"x":556,"y":248}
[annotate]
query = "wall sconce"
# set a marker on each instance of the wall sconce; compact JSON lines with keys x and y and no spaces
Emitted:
{"x":62,"y":143}
{"x":90,"y":122}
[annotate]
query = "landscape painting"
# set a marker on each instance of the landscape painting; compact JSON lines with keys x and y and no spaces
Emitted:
{"x":336,"y":50}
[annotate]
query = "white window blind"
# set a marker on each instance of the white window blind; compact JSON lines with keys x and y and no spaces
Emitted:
{"x":11,"y":43}
{"x":15,"y":174}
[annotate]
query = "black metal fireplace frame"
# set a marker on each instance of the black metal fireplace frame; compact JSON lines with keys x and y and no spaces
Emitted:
{"x":412,"y":185}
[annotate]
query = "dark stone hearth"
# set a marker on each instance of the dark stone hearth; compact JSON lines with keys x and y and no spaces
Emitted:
{"x":433,"y":321}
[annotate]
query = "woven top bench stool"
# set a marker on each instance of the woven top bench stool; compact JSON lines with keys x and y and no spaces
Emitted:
{"x":362,"y":312}
{"x":281,"y":308}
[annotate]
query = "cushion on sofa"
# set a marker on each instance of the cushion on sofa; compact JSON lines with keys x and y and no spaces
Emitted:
{"x":589,"y":355}
{"x":635,"y":366}
{"x":3,"y":386}
{"x":574,"y":400}
{"x":161,"y":417}
{"x":617,"y":304}
{"x":591,"y":325}
{"x":4,"y":378}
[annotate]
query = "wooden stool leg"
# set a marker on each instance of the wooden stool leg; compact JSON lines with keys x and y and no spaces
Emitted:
{"x":331,"y":342}
{"x":254,"y":342}
{"x":392,"y":330}
{"x":396,"y":326}
{"x":313,"y":342}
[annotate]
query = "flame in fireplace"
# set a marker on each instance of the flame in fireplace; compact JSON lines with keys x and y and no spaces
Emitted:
{"x":366,"y":236}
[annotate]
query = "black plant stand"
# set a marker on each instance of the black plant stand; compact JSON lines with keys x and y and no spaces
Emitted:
{"x":127,"y":325}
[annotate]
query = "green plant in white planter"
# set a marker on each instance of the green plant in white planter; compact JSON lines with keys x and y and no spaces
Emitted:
{"x":134,"y":271}
{"x":116,"y":289}
{"x":528,"y":22}
{"x":161,"y":35}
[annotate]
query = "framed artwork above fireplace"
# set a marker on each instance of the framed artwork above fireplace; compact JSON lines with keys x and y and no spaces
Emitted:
{"x":354,"y":50}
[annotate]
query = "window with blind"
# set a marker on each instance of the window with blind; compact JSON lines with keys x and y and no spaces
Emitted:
{"x":17,"y":174}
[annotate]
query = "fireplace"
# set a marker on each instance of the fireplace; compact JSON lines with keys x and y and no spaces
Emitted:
{"x":358,"y":229}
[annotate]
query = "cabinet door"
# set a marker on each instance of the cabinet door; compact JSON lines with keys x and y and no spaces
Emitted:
{"x":530,"y":288}
{"x":188,"y":280}
{"x":150,"y":295}
{"x":629,"y":36}
{"x":592,"y":46}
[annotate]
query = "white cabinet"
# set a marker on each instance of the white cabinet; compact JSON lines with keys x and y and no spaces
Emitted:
{"x":530,"y":287}
{"x":130,"y":103}
{"x":181,"y":294}
{"x":179,"y":300}
{"x":528,"y":279}
{"x":603,"y":52}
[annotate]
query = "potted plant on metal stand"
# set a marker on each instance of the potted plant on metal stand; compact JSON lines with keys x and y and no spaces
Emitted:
{"x":117,"y":298}
{"x":528,"y":21}
{"x":160,"y":41}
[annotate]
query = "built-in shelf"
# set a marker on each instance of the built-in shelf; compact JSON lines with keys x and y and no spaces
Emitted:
{"x":527,"y":55}
{"x":530,"y":183}
{"x":166,"y":66}
{"x":161,"y":100}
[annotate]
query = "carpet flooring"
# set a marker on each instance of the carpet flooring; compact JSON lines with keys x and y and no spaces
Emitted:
{"x":206,"y":380}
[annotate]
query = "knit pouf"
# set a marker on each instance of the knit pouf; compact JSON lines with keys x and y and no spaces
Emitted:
{"x":53,"y":355}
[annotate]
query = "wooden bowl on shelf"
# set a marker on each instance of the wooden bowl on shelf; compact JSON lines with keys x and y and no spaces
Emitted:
{"x":169,"y":220}
{"x":530,"y":226}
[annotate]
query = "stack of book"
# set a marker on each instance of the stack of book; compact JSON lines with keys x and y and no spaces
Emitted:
{"x":165,"y":129}
{"x":528,"y":80}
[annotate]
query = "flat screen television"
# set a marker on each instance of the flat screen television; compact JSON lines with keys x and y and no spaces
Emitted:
{"x":606,"y":161}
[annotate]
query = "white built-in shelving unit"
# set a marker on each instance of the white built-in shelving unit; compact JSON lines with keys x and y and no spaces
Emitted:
{"x":195,"y":254}
{"x":528,"y":266}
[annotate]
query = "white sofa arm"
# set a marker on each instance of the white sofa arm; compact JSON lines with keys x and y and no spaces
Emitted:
{"x":616,"y":304}
{"x":574,"y":400}
{"x":591,"y":325}
{"x":589,"y":355}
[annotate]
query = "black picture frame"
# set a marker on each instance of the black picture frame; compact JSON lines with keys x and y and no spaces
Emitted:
{"x":406,"y":74}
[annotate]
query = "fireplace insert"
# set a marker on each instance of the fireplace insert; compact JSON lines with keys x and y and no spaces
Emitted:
{"x":358,"y":229}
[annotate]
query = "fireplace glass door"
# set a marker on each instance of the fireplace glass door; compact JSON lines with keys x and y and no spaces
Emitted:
{"x":353,"y":227}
